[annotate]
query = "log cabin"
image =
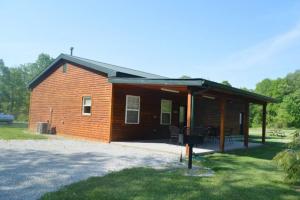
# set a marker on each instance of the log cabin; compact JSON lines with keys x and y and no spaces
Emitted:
{"x":94,"y":100}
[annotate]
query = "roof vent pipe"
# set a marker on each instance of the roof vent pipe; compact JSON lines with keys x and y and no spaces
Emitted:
{"x":71,"y":51}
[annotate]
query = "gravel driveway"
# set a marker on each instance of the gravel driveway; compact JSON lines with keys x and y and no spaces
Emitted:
{"x":29,"y":168}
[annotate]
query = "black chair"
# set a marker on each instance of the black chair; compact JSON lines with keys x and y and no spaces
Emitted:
{"x":214,"y":134}
{"x":228,"y":135}
{"x":174,"y":133}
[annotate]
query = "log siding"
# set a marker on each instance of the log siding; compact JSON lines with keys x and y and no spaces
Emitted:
{"x":62,"y":93}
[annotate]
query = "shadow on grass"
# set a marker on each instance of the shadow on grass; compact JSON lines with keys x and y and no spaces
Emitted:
{"x":266,"y":151}
{"x":142,"y":183}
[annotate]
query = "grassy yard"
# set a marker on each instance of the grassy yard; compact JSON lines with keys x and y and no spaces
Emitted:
{"x":17,"y":131}
{"x":255,"y":135}
{"x":241,"y":174}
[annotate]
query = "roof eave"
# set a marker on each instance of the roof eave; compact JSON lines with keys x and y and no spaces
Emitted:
{"x":262,"y":98}
{"x":194,"y":82}
{"x":141,"y":81}
{"x":65,"y":58}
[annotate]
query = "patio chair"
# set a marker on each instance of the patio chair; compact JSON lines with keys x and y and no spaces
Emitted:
{"x":228,"y":134}
{"x":199,"y":131}
{"x":174,"y":133}
{"x":213,"y":134}
{"x":271,"y":132}
{"x":280,"y":133}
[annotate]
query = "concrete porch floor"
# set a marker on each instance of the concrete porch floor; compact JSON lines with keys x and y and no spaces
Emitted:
{"x":167,"y":147}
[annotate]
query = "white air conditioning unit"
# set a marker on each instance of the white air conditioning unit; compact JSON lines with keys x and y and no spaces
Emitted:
{"x":42,"y":127}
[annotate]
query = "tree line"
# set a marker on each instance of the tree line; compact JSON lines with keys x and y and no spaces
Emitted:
{"x":14,"y":94}
{"x":285,"y":113}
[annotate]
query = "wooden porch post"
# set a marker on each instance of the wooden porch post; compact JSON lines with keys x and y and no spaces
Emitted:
{"x":222,"y":124}
{"x":192,"y":111}
{"x":246,"y":124}
{"x":264,"y":119}
{"x":189,"y":117}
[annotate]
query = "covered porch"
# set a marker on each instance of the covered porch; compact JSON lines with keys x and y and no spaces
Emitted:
{"x":197,"y":104}
{"x":165,"y":146}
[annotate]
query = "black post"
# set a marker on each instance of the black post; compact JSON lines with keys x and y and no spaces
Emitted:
{"x":190,"y":156}
{"x":71,"y":50}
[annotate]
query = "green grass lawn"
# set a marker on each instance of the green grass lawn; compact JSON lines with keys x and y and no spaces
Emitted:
{"x":241,"y":174}
{"x":255,"y":135}
{"x":17,"y":131}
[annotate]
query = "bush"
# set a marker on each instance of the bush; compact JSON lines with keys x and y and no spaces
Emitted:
{"x":289,"y":160}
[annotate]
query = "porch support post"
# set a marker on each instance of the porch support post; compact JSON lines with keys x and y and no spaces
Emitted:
{"x":189,"y":112}
{"x":192,"y":111}
{"x":246,"y":124}
{"x":189,"y":117}
{"x":264,"y":119}
{"x":222,"y":124}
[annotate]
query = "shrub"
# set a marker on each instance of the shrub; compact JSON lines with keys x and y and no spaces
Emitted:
{"x":289,"y":160}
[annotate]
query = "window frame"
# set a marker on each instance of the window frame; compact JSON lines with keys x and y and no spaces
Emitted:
{"x":161,"y":112}
{"x":82,"y":106}
{"x":130,"y":109}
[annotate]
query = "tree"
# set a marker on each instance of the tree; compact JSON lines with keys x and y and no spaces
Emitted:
{"x":226,"y":83}
{"x":185,"y":77}
{"x":33,"y":69}
{"x":286,"y":91}
{"x":289,"y":110}
{"x":14,"y":94}
{"x":4,"y":86}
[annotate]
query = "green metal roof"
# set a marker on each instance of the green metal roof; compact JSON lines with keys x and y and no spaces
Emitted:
{"x":117,"y":74}
{"x":196,"y":82}
{"x":110,"y":70}
{"x":116,"y":69}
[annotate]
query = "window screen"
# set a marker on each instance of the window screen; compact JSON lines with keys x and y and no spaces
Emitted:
{"x":132,"y":113}
{"x":86,"y":105}
{"x":166,"y":112}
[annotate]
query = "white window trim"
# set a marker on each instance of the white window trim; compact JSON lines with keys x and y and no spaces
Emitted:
{"x":130,"y":109}
{"x":83,"y":113}
{"x":161,"y":123}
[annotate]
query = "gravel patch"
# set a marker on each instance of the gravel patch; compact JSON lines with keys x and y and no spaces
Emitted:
{"x":29,"y":168}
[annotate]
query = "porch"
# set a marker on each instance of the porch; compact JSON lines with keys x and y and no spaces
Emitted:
{"x":165,"y":146}
{"x":192,"y":104}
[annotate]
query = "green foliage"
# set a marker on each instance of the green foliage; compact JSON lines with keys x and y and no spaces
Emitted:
{"x":287,"y":91}
{"x":289,"y":160}
{"x":289,"y":109}
{"x":14,"y":95}
{"x":295,"y":144}
{"x":185,"y":77}
{"x":226,"y":83}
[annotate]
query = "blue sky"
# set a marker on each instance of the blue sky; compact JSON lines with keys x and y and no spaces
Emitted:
{"x":239,"y":41}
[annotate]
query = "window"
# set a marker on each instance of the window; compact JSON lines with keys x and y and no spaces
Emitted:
{"x":166,"y":112}
{"x":65,"y":68}
{"x":86,"y":105}
{"x":132,"y":113}
{"x":181,"y":115}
